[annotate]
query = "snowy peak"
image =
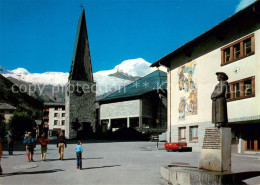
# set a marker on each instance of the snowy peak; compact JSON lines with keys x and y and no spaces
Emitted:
{"x":134,"y":67}
{"x":20,"y":71}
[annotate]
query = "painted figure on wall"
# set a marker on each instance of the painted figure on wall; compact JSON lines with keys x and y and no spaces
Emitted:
{"x":192,"y":102}
{"x":181,"y":78}
{"x":188,"y":89}
{"x":181,"y":109}
{"x":219,"y":103}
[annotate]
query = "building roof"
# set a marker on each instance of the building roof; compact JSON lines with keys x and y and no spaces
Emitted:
{"x":6,"y":106}
{"x":154,"y":81}
{"x":249,"y":12}
{"x":81,"y":68}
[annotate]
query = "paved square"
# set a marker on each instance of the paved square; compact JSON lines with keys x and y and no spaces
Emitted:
{"x":106,"y":163}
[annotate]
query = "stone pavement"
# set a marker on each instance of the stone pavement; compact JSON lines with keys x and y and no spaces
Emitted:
{"x":107,"y":163}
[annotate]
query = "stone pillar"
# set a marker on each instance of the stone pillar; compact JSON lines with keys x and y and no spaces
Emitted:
{"x":216,"y":150}
{"x":109,"y":123}
{"x":141,"y":114}
{"x":140,"y":121}
{"x":128,"y":122}
{"x":241,"y":146}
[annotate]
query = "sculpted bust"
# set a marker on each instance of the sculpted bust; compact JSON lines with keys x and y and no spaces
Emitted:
{"x":219,"y":103}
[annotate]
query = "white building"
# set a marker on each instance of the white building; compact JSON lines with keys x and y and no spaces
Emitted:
{"x":56,"y":117}
{"x":233,"y":47}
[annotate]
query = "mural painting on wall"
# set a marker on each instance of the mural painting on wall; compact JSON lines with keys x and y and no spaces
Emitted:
{"x":182,"y":108}
{"x":188,"y":90}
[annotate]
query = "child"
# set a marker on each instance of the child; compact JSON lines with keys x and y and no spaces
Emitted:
{"x":29,"y":142}
{"x":79,"y":151}
{"x":44,"y":140}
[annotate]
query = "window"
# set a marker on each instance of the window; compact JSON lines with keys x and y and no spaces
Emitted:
{"x":241,"y":89}
{"x":182,"y":133}
{"x":236,"y":88}
{"x":63,"y":114}
{"x":55,"y":114}
{"x":247,"y":46}
{"x":194,"y":133}
{"x":227,"y":55}
{"x":56,"y":108}
{"x":55,"y":122}
{"x":238,"y":50}
{"x":63,"y":122}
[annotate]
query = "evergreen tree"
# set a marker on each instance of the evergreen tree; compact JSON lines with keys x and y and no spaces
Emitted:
{"x":19,"y":123}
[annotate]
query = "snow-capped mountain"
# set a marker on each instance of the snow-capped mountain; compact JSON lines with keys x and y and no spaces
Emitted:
{"x":20,"y":71}
{"x":135,"y":67}
{"x":107,"y":81}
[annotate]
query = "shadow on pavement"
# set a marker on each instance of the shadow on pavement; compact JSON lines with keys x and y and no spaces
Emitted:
{"x":246,"y":175}
{"x":30,"y":173}
{"x":100,"y":167}
{"x":69,"y":159}
{"x":94,"y":158}
{"x":18,"y":154}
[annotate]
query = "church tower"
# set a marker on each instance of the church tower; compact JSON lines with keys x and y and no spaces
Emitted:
{"x":81,"y":89}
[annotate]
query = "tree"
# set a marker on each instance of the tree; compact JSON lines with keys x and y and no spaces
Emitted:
{"x":19,"y":123}
{"x":75,"y":125}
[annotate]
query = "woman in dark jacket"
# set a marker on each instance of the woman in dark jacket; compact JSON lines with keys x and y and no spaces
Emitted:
{"x":61,"y":144}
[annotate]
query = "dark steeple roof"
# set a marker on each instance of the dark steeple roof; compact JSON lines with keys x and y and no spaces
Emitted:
{"x":81,"y":68}
{"x":155,"y":81}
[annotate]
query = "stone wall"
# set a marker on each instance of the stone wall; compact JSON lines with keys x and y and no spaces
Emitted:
{"x":80,"y":107}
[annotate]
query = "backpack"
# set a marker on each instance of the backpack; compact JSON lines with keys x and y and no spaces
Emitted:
{"x":29,"y":141}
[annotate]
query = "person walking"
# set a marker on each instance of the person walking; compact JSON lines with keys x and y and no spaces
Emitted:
{"x":30,"y":143}
{"x":79,"y":151}
{"x":10,"y":143}
{"x":1,"y":153}
{"x":61,"y":144}
{"x":43,"y":140}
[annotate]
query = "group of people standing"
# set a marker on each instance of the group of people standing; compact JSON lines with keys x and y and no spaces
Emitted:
{"x":30,"y":144}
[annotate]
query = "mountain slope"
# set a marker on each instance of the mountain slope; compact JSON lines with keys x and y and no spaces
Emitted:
{"x":50,"y":86}
{"x":10,"y":94}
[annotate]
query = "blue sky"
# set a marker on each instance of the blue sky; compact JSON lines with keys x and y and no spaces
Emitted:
{"x":39,"y":35}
